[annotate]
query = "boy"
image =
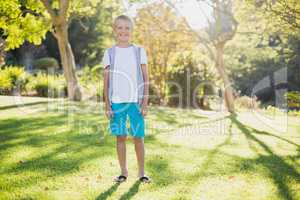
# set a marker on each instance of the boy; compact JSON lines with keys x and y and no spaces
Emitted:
{"x":126,"y":93}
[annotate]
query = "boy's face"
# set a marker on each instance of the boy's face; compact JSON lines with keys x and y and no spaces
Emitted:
{"x":122,"y":30}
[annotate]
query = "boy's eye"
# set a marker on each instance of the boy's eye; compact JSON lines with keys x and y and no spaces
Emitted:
{"x":123,"y":28}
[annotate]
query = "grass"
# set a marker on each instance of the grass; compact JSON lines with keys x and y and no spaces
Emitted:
{"x":62,"y":150}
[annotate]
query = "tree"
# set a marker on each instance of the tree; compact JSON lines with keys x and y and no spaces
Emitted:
{"x":164,"y":35}
{"x":31,"y":20}
{"x":221,"y":31}
{"x":20,"y":22}
{"x":222,"y":28}
{"x":90,"y":35}
{"x":285,"y":12}
{"x":60,"y":31}
{"x":260,"y":48}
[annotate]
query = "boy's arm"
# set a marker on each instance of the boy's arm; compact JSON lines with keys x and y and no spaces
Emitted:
{"x":146,"y":85}
{"x":108,"y":111}
{"x":105,"y":85}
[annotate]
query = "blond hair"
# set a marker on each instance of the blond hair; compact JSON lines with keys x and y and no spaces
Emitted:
{"x":125,"y":18}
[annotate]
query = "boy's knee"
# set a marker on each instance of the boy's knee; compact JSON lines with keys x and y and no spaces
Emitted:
{"x":138,"y":140}
{"x":121,"y":138}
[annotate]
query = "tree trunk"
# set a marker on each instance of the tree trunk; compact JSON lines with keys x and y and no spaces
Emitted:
{"x":68,"y":62}
{"x":228,"y":91}
{"x":2,"y":52}
{"x":60,"y":27}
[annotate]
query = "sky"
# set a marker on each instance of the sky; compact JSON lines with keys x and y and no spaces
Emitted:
{"x":196,"y":13}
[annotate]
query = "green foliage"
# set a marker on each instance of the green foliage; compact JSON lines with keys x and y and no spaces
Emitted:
{"x":45,"y":63}
{"x":29,"y":20}
{"x":20,"y":22}
{"x":12,"y":78}
{"x":184,"y":81}
{"x":245,"y":80}
{"x":90,"y":33}
{"x":251,"y":64}
{"x":282,"y":14}
{"x":91,"y":80}
{"x":164,"y":36}
{"x":47,"y":85}
{"x":260,"y":48}
{"x":293,"y":99}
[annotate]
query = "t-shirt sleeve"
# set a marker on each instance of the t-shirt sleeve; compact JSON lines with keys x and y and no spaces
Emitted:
{"x":143,"y":56}
{"x":105,"y":59}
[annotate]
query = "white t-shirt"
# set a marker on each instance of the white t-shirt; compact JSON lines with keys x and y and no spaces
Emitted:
{"x":125,"y":74}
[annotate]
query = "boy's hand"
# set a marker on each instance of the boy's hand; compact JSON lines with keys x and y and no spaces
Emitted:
{"x":144,"y":109}
{"x":108,"y":112}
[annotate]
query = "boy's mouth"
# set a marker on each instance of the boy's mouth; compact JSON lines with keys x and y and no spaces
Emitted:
{"x":123,"y":37}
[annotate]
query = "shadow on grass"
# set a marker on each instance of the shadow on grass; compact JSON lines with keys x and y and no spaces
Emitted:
{"x":164,"y":116}
{"x":108,"y":192}
{"x":278,"y":169}
{"x":160,"y":171}
{"x":206,"y":168}
{"x":218,"y":163}
{"x":273,"y":135}
{"x":15,"y":128}
{"x":56,"y":153}
{"x":23,"y":105}
{"x":171,"y":118}
{"x":133,"y":190}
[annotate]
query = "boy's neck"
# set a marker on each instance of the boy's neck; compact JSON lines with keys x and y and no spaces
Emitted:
{"x":123,"y":44}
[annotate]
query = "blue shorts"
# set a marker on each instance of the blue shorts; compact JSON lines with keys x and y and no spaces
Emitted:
{"x":118,"y":121}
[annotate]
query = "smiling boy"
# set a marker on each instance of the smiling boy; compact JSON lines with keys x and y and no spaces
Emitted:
{"x":126,"y":94}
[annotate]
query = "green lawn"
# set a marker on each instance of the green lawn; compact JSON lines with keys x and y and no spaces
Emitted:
{"x":62,"y":150}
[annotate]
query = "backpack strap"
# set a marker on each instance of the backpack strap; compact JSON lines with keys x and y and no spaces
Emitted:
{"x":111,"y":53}
{"x":140,"y":78}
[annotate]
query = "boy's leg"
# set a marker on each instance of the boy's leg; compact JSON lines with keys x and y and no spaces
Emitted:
{"x":121,"y":150}
{"x":118,"y":129}
{"x":140,"y":154}
{"x":137,"y":130}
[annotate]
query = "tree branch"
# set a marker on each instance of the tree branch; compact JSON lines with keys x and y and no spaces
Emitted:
{"x":63,"y":8}
{"x":48,"y":7}
{"x":201,"y":39}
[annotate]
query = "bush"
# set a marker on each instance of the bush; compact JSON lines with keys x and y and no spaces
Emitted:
{"x":90,"y":78}
{"x":186,"y":70}
{"x":247,"y":102}
{"x":45,"y":63}
{"x":293,"y":99}
{"x":48,"y":85}
{"x":272,"y":110}
{"x":12,"y":79}
{"x":295,"y":113}
{"x":89,"y":75}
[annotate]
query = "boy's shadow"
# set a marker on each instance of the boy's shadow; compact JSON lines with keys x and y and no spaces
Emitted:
{"x":132,"y":191}
{"x":108,"y":192}
{"x":128,"y":195}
